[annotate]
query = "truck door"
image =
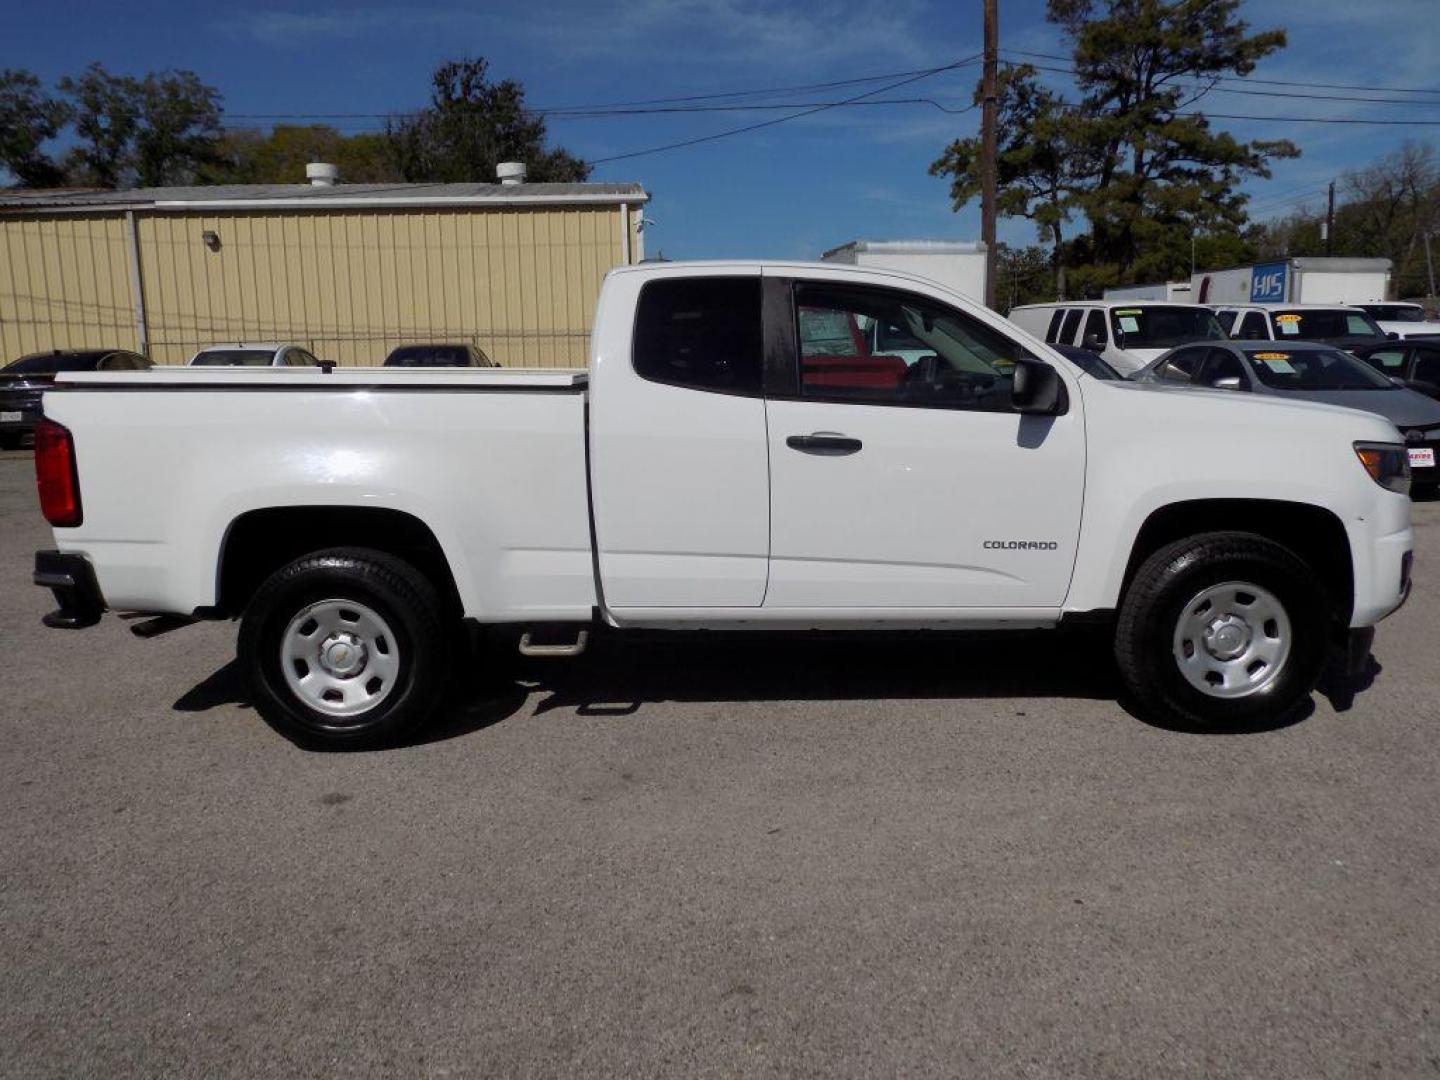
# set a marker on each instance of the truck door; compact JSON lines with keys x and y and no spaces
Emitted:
{"x":911,"y":485}
{"x":678,"y":449}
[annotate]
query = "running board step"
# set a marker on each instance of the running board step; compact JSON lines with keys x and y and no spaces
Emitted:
{"x":529,"y":648}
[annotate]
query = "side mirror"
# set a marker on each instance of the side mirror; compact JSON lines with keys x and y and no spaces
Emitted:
{"x":1093,"y":343}
{"x":1393,"y":335}
{"x":1038,"y":388}
{"x":1119,"y":338}
{"x":1227,"y":382}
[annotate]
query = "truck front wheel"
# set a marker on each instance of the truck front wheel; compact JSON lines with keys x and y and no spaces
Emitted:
{"x":345,"y":648}
{"x":1222,"y":628}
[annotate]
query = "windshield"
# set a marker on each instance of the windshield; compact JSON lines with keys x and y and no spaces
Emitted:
{"x":1315,"y":369}
{"x":1159,"y":327}
{"x":50,"y":363}
{"x":429,"y":356}
{"x":1396,"y":312}
{"x":1324,"y":324}
{"x":234,"y":358}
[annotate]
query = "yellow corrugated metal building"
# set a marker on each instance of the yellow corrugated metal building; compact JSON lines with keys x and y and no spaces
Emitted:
{"x":349,"y":271}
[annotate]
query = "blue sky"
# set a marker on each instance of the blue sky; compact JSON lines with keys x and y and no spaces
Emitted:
{"x":788,"y":191}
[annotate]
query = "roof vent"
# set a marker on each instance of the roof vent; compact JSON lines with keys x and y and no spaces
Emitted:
{"x":511,"y":172}
{"x":322,"y":174}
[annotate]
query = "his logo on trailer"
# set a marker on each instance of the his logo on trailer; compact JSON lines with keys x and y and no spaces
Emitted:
{"x":1267,"y":283}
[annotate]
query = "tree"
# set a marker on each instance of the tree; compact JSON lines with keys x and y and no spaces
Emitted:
{"x":250,"y":156}
{"x":470,"y":126}
{"x":1039,"y":171}
{"x":1144,"y":168}
{"x":179,"y":129}
{"x":163,"y":129}
{"x":105,"y":110}
{"x":1162,"y":171}
{"x":29,"y":118}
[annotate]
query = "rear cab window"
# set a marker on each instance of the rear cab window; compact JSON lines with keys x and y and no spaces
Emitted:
{"x":700,"y":332}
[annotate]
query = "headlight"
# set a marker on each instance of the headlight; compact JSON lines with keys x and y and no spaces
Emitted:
{"x":1387,"y":464}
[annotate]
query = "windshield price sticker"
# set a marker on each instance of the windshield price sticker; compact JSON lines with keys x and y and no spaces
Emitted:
{"x":1272,"y":356}
{"x":1128,"y":311}
{"x":1290,"y":326}
{"x":1287,"y":318}
{"x":1129,"y":324}
{"x":1277,"y":362}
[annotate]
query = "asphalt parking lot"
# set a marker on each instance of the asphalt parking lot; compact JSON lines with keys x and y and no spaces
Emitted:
{"x":952,"y":856}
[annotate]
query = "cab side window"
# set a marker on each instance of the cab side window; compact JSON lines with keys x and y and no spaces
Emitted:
{"x":704,"y":333}
{"x":1222,"y":364}
{"x":1072,"y":323}
{"x":1095,"y":328}
{"x":1182,"y":366}
{"x":1252,"y":327}
{"x":1054,"y":328}
{"x":1427,"y":365}
{"x":932,"y":354}
{"x":1386,"y":361}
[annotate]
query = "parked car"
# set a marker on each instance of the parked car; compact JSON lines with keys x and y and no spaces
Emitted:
{"x":1345,"y":327}
{"x":254,"y":354}
{"x":431,"y":355}
{"x":1402,"y":320}
{"x":1127,"y":334}
{"x":1414,"y":363}
{"x":1092,"y":363}
{"x":1309,"y":371}
{"x":731,"y":459}
{"x":23,"y":381}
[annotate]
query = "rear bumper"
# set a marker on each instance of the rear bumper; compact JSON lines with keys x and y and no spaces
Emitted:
{"x":71,"y":579}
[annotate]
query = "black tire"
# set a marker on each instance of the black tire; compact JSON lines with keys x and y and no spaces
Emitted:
{"x":390,"y":588}
{"x":1145,"y":638}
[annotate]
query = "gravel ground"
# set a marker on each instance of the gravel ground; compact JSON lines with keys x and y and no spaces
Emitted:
{"x":925,"y":856}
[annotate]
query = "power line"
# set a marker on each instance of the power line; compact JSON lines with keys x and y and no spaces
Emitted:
{"x":1272,"y":93}
{"x":783,"y":119}
{"x":1268,"y":82}
{"x":604,"y":107}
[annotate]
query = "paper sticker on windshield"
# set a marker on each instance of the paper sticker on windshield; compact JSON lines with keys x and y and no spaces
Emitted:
{"x":1291,"y":326}
{"x":1127,"y":311}
{"x":1287,"y":318}
{"x":1272,"y":356}
{"x":1277,"y":362}
{"x":1129,"y":324}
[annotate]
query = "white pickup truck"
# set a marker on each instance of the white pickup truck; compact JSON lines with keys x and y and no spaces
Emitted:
{"x":739,"y":456}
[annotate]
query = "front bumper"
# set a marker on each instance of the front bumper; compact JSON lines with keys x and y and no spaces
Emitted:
{"x":71,"y":579}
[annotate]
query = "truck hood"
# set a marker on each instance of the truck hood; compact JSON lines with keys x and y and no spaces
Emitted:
{"x":1403,"y":408}
{"x":1237,"y":406}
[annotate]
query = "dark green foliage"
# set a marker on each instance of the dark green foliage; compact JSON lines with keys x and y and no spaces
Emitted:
{"x":470,"y":126}
{"x":1127,"y":158}
{"x":28,"y":119}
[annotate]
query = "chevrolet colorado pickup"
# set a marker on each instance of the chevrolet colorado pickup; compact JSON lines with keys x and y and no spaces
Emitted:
{"x":738,"y":456}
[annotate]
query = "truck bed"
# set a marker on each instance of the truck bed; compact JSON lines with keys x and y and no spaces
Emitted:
{"x":492,"y":460}
{"x":181,"y":377}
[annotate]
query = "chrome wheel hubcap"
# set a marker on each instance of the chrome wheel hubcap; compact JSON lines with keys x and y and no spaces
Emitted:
{"x":339,"y":657}
{"x":1232,"y":640}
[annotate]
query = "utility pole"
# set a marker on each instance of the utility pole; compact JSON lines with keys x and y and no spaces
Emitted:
{"x":1429,"y":266}
{"x":1330,"y":220}
{"x":988,"y":141}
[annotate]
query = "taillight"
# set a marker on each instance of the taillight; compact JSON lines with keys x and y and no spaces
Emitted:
{"x":55,"y":474}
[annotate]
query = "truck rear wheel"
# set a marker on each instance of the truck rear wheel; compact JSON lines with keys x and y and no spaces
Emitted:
{"x":1222,"y":628}
{"x":345,"y":648}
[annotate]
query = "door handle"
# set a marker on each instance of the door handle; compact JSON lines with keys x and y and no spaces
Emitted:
{"x":824,"y":443}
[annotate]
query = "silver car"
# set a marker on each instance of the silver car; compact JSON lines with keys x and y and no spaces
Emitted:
{"x":1309,"y":372}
